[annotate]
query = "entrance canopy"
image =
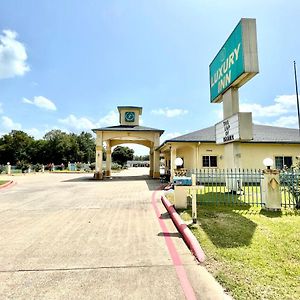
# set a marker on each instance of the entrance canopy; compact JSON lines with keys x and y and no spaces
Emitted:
{"x":128,"y":131}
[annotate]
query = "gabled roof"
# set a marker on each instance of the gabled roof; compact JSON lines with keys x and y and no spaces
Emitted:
{"x":261,"y":134}
{"x":128,"y":128}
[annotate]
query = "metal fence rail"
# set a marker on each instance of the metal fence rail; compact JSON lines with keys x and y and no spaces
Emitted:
{"x":229,"y":186}
{"x":290,"y":189}
{"x":243,"y":187}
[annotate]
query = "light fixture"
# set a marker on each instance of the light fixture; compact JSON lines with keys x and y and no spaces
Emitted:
{"x":178,"y":161}
{"x":268,"y":162}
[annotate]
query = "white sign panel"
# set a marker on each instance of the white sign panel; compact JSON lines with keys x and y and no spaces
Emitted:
{"x":228,"y":130}
{"x":238,"y":127}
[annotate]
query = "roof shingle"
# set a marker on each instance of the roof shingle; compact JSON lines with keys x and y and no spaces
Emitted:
{"x":261,"y":134}
{"x":127,"y":128}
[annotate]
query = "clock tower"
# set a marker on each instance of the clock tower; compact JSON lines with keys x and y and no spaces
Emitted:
{"x":129,"y":115}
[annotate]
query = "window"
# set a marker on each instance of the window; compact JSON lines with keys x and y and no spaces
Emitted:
{"x":209,"y":161}
{"x":281,"y":161}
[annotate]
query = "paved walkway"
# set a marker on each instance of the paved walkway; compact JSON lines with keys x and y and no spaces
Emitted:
{"x":65,"y":236}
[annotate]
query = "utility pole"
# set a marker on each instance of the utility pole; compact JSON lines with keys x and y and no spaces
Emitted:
{"x":296,"y":85}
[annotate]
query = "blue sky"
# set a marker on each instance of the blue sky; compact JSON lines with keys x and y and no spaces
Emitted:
{"x":69,"y":64}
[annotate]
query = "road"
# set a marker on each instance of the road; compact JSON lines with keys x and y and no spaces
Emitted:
{"x":66,"y":236}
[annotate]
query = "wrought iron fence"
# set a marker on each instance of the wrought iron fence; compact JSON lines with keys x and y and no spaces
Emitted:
{"x":229,"y":186}
{"x":242,"y":187}
{"x":290,"y":188}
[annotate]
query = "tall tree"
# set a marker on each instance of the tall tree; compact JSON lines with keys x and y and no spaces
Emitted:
{"x":121,"y":155}
{"x":15,"y":147}
{"x":56,"y":146}
{"x":59,"y":146}
{"x":87,"y":145}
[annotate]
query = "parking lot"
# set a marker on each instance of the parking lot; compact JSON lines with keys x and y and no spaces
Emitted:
{"x":66,"y":236}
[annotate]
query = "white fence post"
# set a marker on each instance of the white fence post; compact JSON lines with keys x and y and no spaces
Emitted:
{"x":8,"y":169}
{"x":271,"y":194}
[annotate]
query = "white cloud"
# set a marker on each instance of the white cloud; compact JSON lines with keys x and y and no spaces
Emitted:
{"x":281,"y":113}
{"x":112,"y":118}
{"x":41,"y":102}
{"x":84,"y":123}
{"x":8,"y":124}
{"x":13,"y":55}
{"x":36,"y":133}
{"x":282,"y":105}
{"x":286,"y":121}
{"x":80,"y":123}
{"x":169,"y":113}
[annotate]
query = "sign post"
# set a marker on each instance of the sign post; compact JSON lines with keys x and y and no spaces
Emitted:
{"x":233,"y":66}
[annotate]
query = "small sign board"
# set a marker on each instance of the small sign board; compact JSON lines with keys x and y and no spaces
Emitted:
{"x":235,"y":128}
{"x":236,"y":62}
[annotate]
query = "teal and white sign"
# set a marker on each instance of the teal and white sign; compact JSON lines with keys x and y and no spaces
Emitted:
{"x":236,"y":62}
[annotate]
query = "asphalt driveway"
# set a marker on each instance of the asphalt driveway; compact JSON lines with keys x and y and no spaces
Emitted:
{"x":65,"y":236}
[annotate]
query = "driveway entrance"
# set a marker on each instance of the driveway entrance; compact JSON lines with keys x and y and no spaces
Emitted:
{"x":128,"y":131}
{"x":65,"y":236}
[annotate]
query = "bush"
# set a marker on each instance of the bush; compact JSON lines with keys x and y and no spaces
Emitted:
{"x":115,"y":166}
{"x":23,"y":166}
{"x":78,"y":166}
{"x":2,"y":169}
{"x":37,"y":167}
{"x":93,"y":166}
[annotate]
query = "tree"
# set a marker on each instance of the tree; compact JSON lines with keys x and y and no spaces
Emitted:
{"x":56,"y":146}
{"x":121,"y":155}
{"x":38,"y":152}
{"x":61,"y":147}
{"x":87,"y":145}
{"x":15,"y":146}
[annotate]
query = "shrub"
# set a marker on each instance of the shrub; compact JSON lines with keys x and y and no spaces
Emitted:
{"x":78,"y":166}
{"x":115,"y":166}
{"x":2,"y":169}
{"x":37,"y":167}
{"x":23,"y":166}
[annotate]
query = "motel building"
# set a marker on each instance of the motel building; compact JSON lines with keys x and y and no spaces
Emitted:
{"x":199,"y":150}
{"x":234,"y":143}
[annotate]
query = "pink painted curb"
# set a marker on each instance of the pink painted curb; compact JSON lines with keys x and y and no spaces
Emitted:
{"x":6,"y":184}
{"x":188,"y":237}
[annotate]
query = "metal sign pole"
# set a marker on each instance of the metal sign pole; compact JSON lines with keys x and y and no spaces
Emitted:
{"x":296,"y":85}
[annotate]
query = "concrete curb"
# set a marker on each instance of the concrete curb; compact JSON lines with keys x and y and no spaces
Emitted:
{"x":188,"y":237}
{"x":5,"y":185}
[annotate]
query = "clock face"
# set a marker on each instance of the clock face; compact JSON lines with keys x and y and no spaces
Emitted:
{"x":129,"y":116}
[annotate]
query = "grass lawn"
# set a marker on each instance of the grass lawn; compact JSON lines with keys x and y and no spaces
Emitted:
{"x":251,"y":195}
{"x":254,"y":254}
{"x":3,"y":181}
